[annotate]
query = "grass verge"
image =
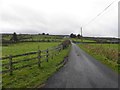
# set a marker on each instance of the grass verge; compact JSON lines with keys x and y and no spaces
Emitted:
{"x":103,"y":54}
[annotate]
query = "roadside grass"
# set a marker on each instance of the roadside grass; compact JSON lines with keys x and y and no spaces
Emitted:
{"x":106,"y":53}
{"x":32,"y":76}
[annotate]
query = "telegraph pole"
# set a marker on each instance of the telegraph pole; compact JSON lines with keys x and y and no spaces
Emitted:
{"x":81,"y":35}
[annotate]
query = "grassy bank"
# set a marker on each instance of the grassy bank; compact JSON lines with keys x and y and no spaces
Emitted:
{"x":31,"y":76}
{"x":106,"y":53}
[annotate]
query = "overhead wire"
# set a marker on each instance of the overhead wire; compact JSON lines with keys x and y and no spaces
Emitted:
{"x":99,"y":14}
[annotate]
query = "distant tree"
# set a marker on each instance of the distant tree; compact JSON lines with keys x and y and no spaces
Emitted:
{"x":14,"y":37}
{"x":78,"y":35}
{"x":47,"y":34}
{"x":43,"y":33}
{"x":72,"y":35}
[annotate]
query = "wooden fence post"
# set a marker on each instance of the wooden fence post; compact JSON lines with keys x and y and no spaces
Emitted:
{"x":10,"y":64}
{"x":55,"y":51}
{"x":52,"y":54}
{"x":39,"y":56}
{"x":58,"y":49}
{"x":62,"y":47}
{"x":47,"y":55}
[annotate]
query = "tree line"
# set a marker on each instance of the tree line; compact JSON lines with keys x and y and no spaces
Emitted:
{"x":75,"y":36}
{"x":15,"y":38}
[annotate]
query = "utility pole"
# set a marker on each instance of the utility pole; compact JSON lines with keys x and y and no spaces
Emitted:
{"x":81,"y":35}
{"x":81,"y":31}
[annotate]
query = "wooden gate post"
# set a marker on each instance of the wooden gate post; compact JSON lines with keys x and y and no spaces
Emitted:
{"x":10,"y":65}
{"x":52,"y":54}
{"x":47,"y":55}
{"x":39,"y":56}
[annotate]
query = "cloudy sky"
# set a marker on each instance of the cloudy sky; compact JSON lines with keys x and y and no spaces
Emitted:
{"x":59,"y":17}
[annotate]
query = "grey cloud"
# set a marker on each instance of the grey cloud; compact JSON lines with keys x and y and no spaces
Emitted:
{"x":24,"y":19}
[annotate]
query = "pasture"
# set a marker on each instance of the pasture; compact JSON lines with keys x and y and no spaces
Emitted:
{"x":31,"y":76}
{"x":20,"y":48}
{"x":106,"y":53}
{"x":82,"y":40}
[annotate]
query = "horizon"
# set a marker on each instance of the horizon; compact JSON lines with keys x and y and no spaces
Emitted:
{"x":38,"y":17}
{"x":62,"y":35}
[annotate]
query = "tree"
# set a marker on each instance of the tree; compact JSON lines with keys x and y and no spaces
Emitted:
{"x":72,"y":35}
{"x":14,"y":37}
{"x":43,"y":33}
{"x":78,"y":35}
{"x":47,"y":34}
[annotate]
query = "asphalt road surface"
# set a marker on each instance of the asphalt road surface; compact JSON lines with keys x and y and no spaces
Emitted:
{"x":83,"y":71}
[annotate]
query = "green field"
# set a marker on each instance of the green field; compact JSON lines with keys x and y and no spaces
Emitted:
{"x":36,"y":37}
{"x":30,"y":76}
{"x":82,"y":40}
{"x":20,"y":48}
{"x":106,"y":53}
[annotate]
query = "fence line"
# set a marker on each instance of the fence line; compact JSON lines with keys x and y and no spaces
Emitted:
{"x":78,"y":42}
{"x":7,"y":42}
{"x":48,"y":53}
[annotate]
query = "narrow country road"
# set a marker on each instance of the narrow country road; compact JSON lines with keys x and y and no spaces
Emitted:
{"x":83,"y":71}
